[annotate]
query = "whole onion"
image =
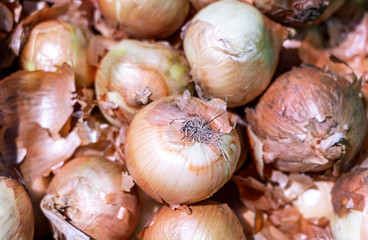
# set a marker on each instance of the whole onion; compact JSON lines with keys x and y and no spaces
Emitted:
{"x":233,"y":51}
{"x":308,"y":120}
{"x":133,"y":73}
{"x":53,"y":43}
{"x":349,"y":200}
{"x":88,"y":191}
{"x":148,"y":18}
{"x":181,"y":150}
{"x":207,"y":220}
{"x":16,"y":214}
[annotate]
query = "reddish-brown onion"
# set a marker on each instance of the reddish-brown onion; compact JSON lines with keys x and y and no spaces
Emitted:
{"x":16,"y":213}
{"x":308,"y":120}
{"x":181,"y":150}
{"x":89,"y":192}
{"x":206,"y":220}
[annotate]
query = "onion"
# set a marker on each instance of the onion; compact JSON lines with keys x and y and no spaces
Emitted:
{"x":207,"y":220}
{"x":349,"y":200}
{"x":298,"y":12}
{"x":233,"y":51}
{"x":16,"y":214}
{"x":53,"y":43}
{"x":134,"y":73}
{"x":147,"y":18}
{"x":88,"y":191}
{"x":177,"y":142}
{"x":308,"y":120}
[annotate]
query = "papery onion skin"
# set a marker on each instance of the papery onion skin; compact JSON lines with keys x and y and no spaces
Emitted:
{"x":169,"y":167}
{"x":207,"y":220}
{"x":307,"y":120}
{"x":16,"y":213}
{"x":147,"y":19}
{"x":349,"y":200}
{"x":89,"y":189}
{"x":134,"y":73}
{"x":53,"y":43}
{"x":233,"y":51}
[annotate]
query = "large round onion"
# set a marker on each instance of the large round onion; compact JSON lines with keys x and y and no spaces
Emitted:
{"x":147,"y":18}
{"x":233,"y":51}
{"x":89,"y":192}
{"x":16,"y":214}
{"x":350,"y":205}
{"x":53,"y":43}
{"x":308,"y":120}
{"x":207,"y":220}
{"x":180,"y":150}
{"x":134,"y":73}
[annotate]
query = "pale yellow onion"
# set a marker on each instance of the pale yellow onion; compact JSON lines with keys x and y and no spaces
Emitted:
{"x":89,"y":192}
{"x":172,"y":168}
{"x":309,"y":119}
{"x":133,"y":73}
{"x":52,"y":43}
{"x":316,"y":202}
{"x":16,"y":214}
{"x":206,"y":220}
{"x":349,"y":220}
{"x":147,"y":18}
{"x":233,"y":51}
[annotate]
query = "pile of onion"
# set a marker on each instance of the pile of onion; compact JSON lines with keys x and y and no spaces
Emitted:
{"x":232,"y":50}
{"x":307,"y":120}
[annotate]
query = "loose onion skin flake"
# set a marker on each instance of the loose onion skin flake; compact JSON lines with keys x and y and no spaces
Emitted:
{"x":146,"y":19}
{"x":16,"y":213}
{"x":233,"y":51}
{"x":207,"y":220}
{"x":181,"y":150}
{"x":89,"y":192}
{"x":308,"y":120}
{"x":349,"y":200}
{"x":133,"y":73}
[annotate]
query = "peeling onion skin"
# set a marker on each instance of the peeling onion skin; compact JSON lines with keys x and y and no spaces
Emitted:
{"x":307,"y":120}
{"x":89,"y":192}
{"x":298,"y":12}
{"x":233,"y":51}
{"x":16,"y":213}
{"x":53,"y":43}
{"x":168,"y":166}
{"x":207,"y":220}
{"x":349,"y":200}
{"x":146,"y":19}
{"x":134,"y":73}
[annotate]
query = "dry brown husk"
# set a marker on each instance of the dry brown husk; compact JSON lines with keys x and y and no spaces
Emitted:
{"x":308,"y":120}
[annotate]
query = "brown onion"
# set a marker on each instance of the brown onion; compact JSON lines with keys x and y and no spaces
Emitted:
{"x":88,"y":191}
{"x":308,"y":120}
{"x":349,"y":200}
{"x":53,"y":43}
{"x":177,"y":142}
{"x":206,"y":220}
{"x":133,"y":73}
{"x":233,"y":51}
{"x":148,"y":18}
{"x":16,"y":214}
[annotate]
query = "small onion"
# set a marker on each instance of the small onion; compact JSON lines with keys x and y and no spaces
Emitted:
{"x":147,"y":18}
{"x":350,"y":205}
{"x":89,"y":192}
{"x":233,"y":51}
{"x":180,"y":150}
{"x":16,"y":214}
{"x":207,"y":220}
{"x":134,"y":73}
{"x":308,"y":120}
{"x":53,"y":43}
